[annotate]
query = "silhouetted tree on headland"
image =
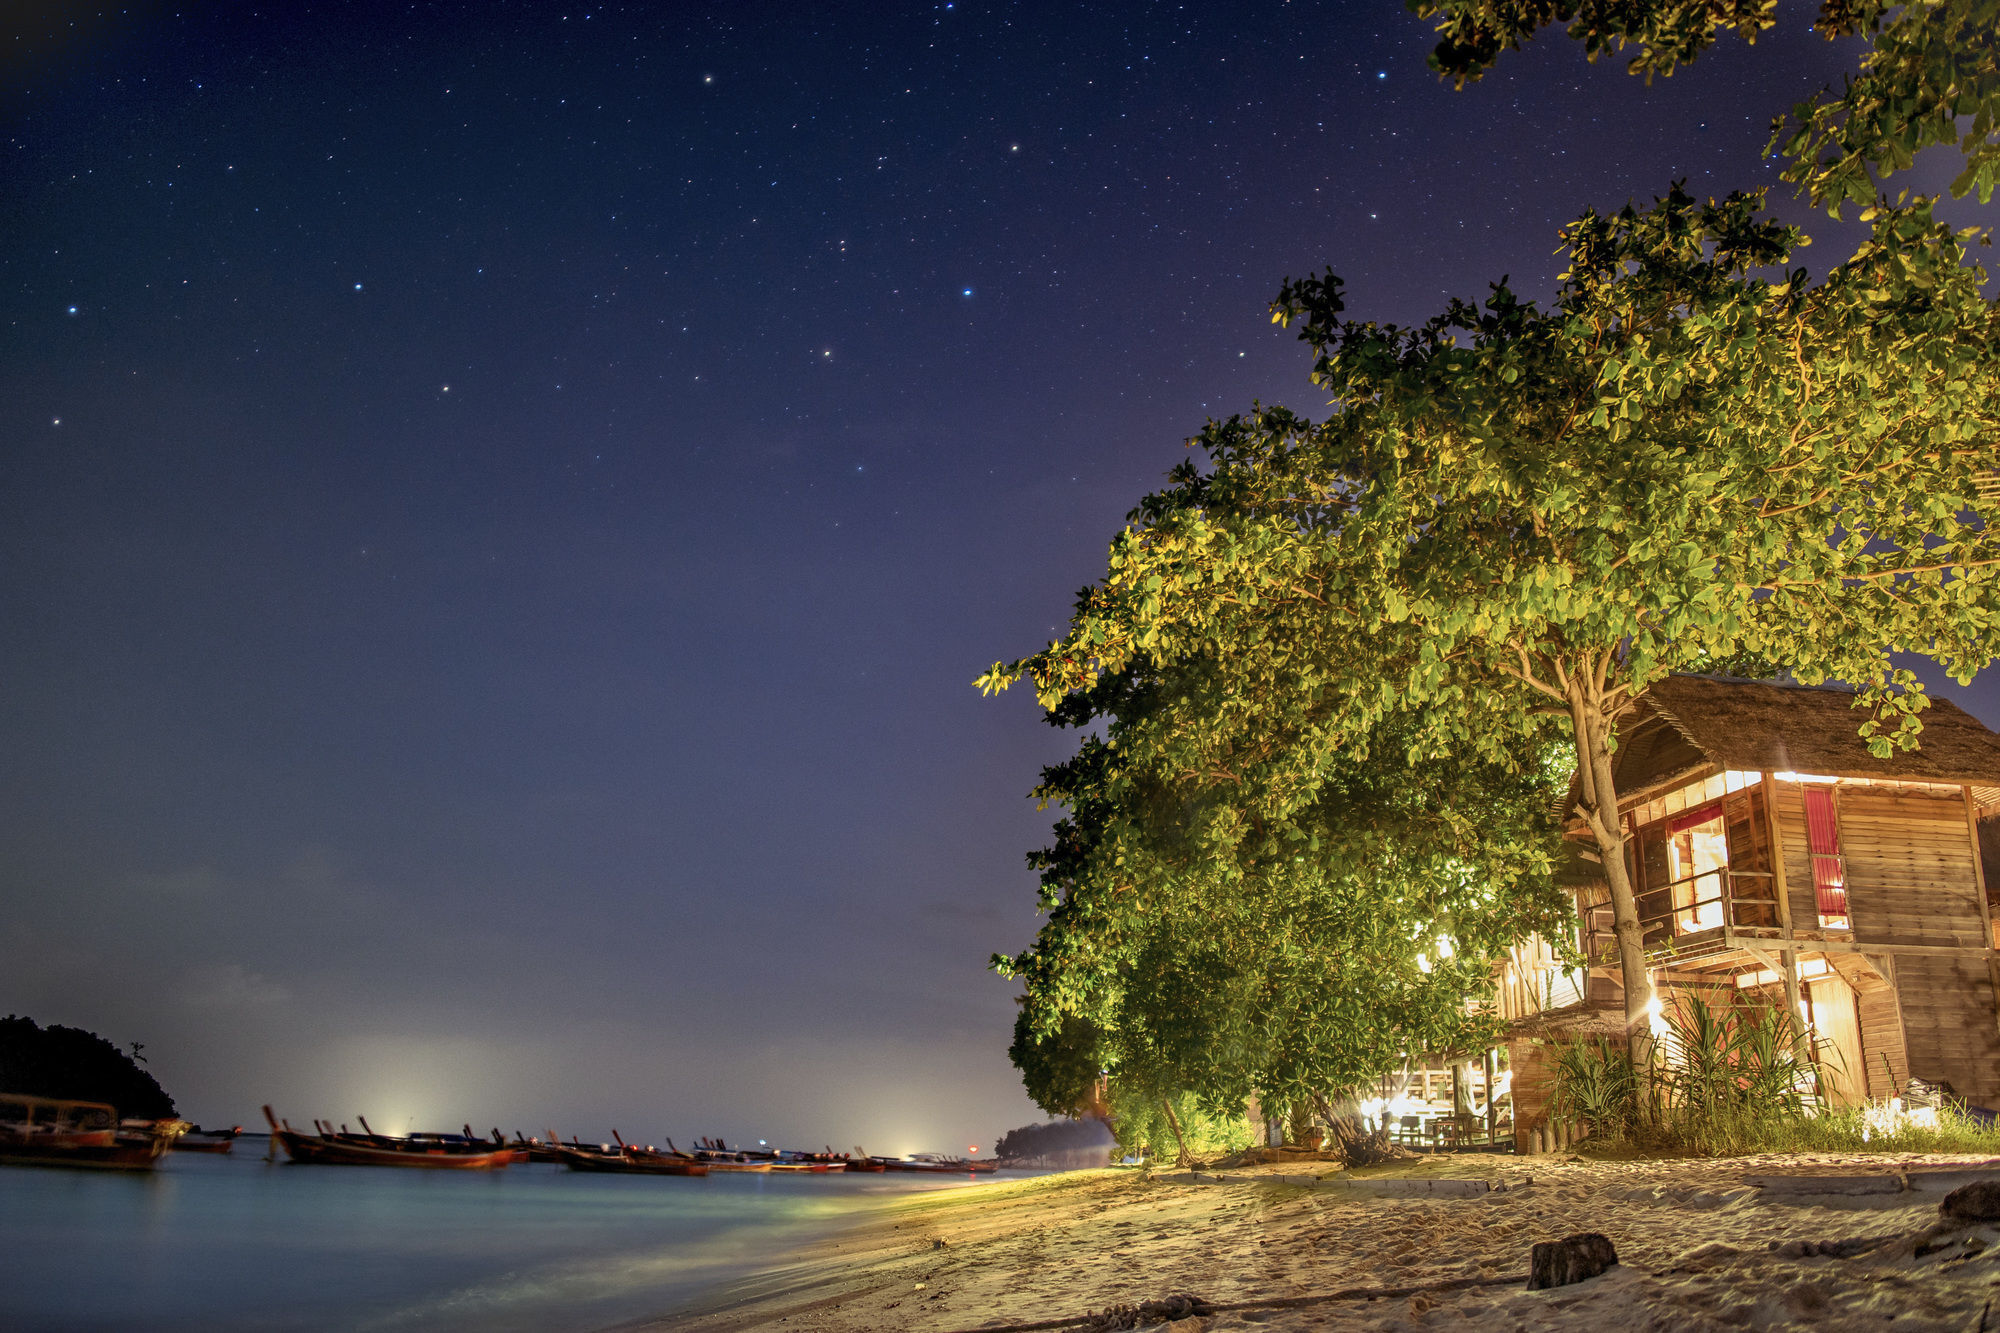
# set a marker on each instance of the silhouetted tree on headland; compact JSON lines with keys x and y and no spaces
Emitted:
{"x":70,"y":1063}
{"x":1056,"y":1136}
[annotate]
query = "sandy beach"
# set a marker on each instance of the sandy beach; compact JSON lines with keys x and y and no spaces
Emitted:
{"x":1793,"y":1241}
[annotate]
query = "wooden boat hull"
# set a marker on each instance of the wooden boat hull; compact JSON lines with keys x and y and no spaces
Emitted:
{"x":123,"y":1155}
{"x":188,"y":1144}
{"x":312,"y":1150}
{"x":642,"y":1166}
{"x":738,"y":1166}
{"x":127,"y":1150}
{"x":320,"y":1150}
{"x":937,"y":1168}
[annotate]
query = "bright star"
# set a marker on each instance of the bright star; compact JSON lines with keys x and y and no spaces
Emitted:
{"x":357,"y":286}
{"x":72,"y":310}
{"x":966,"y":292}
{"x":1381,"y":73}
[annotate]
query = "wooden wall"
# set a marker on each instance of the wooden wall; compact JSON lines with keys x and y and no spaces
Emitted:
{"x":1882,"y":1039}
{"x":1791,"y":808}
{"x":1909,"y":869}
{"x":1909,"y":881}
{"x":1531,"y":1063}
{"x":1948,"y":1021}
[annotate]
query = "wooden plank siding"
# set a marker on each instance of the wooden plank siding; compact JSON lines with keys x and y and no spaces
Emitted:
{"x":1532,"y":1064}
{"x":1909,"y":870}
{"x":1911,"y":880}
{"x":1948,"y":1022}
{"x":1885,"y":1055}
{"x":1788,"y":799}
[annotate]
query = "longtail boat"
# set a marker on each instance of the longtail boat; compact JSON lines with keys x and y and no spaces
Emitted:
{"x":936,"y":1164}
{"x":534,"y":1150}
{"x":628,"y":1159}
{"x":52,"y":1131}
{"x":208,"y":1140}
{"x":448,"y":1152}
{"x":719,"y":1159}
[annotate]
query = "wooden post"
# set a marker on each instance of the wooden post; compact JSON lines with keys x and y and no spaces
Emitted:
{"x":1789,"y":954}
{"x":1979,"y":892}
{"x":1492,"y":1106}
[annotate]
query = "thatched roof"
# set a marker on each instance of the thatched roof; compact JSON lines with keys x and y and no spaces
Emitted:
{"x":1691,"y":721}
{"x":1570,"y":1024}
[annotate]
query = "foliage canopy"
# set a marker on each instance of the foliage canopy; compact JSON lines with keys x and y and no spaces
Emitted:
{"x":1514,"y":511}
{"x":1930,"y":75}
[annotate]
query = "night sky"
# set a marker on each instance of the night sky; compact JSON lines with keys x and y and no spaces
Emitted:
{"x":501,"y":504}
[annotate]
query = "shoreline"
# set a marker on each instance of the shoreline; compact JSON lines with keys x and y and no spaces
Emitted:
{"x":1819,"y":1241}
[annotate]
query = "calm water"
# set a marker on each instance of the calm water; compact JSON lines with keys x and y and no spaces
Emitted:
{"x":231,"y":1242}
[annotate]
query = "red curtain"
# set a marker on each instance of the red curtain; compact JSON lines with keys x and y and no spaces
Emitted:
{"x":1682,"y":823}
{"x":1823,"y":838}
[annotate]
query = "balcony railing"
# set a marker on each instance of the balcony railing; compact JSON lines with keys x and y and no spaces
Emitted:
{"x":1694,"y":915}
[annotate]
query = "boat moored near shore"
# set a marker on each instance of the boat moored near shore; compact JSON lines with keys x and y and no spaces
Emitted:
{"x":328,"y":1147}
{"x":52,"y":1131}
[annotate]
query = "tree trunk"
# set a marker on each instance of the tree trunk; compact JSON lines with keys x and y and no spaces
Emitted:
{"x":1174,"y":1123}
{"x":1351,"y":1141}
{"x":1598,"y":803}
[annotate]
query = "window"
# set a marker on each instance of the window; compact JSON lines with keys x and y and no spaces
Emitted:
{"x":1697,"y":855}
{"x":1829,"y":870}
{"x":1706,"y":866}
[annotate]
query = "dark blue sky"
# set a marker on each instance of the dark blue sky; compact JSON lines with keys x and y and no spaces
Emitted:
{"x":501,"y":504}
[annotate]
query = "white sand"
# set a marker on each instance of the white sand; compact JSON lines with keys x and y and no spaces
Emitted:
{"x":1695,"y":1243}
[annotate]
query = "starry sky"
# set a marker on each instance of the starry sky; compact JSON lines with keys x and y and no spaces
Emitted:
{"x":501,"y":504}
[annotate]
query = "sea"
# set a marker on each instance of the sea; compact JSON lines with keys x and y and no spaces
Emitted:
{"x":236,"y":1242}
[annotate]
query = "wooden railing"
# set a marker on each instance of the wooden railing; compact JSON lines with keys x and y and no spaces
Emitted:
{"x":1712,"y":904}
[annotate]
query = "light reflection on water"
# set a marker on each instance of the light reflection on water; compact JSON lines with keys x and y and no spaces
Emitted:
{"x":223,"y":1243}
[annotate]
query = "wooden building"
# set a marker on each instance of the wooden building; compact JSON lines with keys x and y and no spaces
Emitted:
{"x":1776,"y":860}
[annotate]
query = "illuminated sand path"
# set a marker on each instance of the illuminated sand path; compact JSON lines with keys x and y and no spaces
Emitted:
{"x":1695,"y":1239}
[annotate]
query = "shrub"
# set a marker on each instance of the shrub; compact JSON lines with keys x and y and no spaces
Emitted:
{"x":1724,"y":1081}
{"x":1141,"y":1125}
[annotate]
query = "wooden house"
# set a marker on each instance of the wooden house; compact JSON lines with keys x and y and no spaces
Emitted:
{"x":1776,"y":861}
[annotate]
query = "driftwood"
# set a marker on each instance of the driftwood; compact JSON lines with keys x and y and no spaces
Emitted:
{"x":1351,"y":1141}
{"x":1163,"y":1311}
{"x":1557,"y":1263}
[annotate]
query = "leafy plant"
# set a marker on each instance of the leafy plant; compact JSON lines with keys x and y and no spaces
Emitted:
{"x":1724,"y":1080}
{"x":1141,"y":1120}
{"x":1596,"y":1087}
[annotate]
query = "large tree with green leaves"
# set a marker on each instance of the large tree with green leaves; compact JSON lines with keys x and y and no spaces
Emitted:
{"x":1930,"y":74}
{"x":1513,"y":511}
{"x":1221,"y":926}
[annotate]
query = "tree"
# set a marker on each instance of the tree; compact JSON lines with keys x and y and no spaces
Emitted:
{"x":1930,"y":68}
{"x":72,"y":1064}
{"x":1214,"y":935}
{"x":1513,"y":512}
